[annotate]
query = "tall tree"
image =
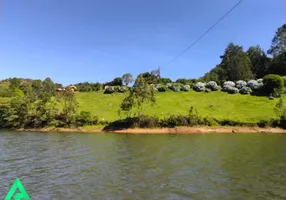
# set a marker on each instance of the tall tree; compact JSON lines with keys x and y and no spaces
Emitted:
{"x":278,"y":44}
{"x":140,"y":94}
{"x":278,"y":65}
{"x":127,"y":78}
{"x":259,"y":60}
{"x":70,"y":106}
{"x":49,"y":86}
{"x":236,"y":63}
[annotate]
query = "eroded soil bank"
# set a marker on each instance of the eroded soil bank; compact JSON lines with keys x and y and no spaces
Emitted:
{"x":183,"y":130}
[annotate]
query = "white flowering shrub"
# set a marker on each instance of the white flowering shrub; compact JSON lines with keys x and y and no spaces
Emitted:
{"x":169,"y":85}
{"x":122,"y":89}
{"x":199,"y":87}
{"x":240,"y":84}
{"x":161,"y":88}
{"x":176,"y":87}
{"x":261,"y":80}
{"x":212,"y":85}
{"x":109,"y":90}
{"x":229,"y":83}
{"x":245,"y":90}
{"x":230,"y":89}
{"x":186,"y":88}
{"x":255,"y":85}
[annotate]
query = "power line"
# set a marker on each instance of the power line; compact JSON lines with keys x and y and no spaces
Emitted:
{"x":227,"y":13}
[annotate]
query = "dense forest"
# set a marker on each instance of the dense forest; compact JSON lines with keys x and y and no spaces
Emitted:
{"x":27,"y":103}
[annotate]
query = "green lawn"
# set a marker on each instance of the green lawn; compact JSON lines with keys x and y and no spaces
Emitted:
{"x":219,"y":105}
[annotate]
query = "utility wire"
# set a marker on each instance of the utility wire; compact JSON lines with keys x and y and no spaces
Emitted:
{"x":227,"y":13}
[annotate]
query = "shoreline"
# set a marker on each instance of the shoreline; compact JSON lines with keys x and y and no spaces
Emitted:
{"x":181,"y":130}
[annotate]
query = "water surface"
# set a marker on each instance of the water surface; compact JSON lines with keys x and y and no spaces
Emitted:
{"x":110,"y":166}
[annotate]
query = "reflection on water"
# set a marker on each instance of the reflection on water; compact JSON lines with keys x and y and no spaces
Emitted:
{"x":110,"y":166}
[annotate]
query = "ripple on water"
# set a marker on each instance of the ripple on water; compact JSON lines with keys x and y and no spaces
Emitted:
{"x":110,"y":166}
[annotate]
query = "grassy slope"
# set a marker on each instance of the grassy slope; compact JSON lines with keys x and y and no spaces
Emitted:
{"x":244,"y":108}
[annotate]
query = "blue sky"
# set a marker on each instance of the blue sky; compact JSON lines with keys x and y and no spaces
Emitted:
{"x":96,"y":40}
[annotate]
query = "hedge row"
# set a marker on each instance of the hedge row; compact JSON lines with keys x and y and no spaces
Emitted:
{"x":183,"y":120}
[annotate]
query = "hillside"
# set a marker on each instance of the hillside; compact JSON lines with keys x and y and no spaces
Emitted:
{"x":219,"y":105}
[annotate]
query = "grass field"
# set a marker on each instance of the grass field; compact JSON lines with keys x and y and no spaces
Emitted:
{"x":220,"y":105}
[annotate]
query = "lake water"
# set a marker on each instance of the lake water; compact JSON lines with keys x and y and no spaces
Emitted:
{"x":110,"y":166}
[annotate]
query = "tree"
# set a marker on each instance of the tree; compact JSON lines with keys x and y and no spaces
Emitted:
{"x":127,"y":78}
{"x":156,"y":73}
{"x":164,"y":80}
{"x":49,"y":86}
{"x":116,"y":81}
{"x":278,"y":65}
{"x":70,"y":106}
{"x":140,"y":94}
{"x":259,"y":60}
{"x":236,"y":64}
{"x":273,"y":84}
{"x":278,"y":44}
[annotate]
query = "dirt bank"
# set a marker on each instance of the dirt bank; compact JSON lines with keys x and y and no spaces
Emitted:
{"x":183,"y":130}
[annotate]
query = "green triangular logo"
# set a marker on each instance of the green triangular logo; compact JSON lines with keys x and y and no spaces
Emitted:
{"x":18,"y":196}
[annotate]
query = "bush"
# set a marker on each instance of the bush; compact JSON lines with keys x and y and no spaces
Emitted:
{"x":86,"y":118}
{"x":175,"y":120}
{"x":208,"y":121}
{"x":228,"y":83}
{"x":212,"y":85}
{"x":273,"y":84}
{"x":148,"y":121}
{"x":186,"y":88}
{"x":161,"y":88}
{"x":245,"y":90}
{"x":240,"y":84}
{"x":199,"y":87}
{"x":255,"y":85}
{"x":109,"y":90}
{"x":176,"y":87}
{"x":207,"y":90}
{"x":123,"y":89}
{"x":230,"y":89}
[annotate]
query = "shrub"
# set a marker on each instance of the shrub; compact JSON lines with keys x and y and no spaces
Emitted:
{"x":175,"y":120}
{"x":208,"y":121}
{"x":161,"y":87}
{"x":230,"y":89}
{"x":207,"y":90}
{"x":86,"y":118}
{"x":199,"y":87}
{"x":240,"y":84}
{"x":186,"y":88}
{"x":229,"y":83}
{"x":212,"y":85}
{"x":176,"y":87}
{"x":245,"y":90}
{"x":193,"y":116}
{"x":148,"y":121}
{"x":109,"y":90}
{"x":273,"y":84}
{"x":255,"y":85}
{"x":122,"y":89}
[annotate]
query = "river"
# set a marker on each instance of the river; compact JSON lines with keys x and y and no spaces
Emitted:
{"x":120,"y":166}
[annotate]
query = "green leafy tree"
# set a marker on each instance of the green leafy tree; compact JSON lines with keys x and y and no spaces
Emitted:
{"x":127,"y":78}
{"x":236,"y":64}
{"x":70,"y":106}
{"x":259,"y":60}
{"x":278,"y":65}
{"x":278,"y":44}
{"x":273,"y":84}
{"x":49,"y":86}
{"x":140,"y":94}
{"x":117,"y":81}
